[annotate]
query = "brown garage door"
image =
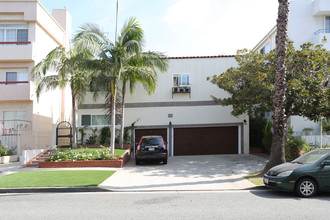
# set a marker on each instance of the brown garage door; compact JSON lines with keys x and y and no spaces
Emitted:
{"x":146,"y":132}
{"x":205,"y":141}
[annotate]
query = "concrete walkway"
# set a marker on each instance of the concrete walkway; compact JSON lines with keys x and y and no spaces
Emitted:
{"x":184,"y":173}
{"x":211,"y":172}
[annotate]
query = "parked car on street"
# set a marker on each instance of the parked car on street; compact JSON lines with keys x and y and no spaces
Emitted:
{"x":151,"y":148}
{"x":305,"y":175}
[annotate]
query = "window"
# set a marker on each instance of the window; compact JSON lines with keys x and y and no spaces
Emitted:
{"x":265,"y":49}
{"x":12,"y":77}
{"x":181,"y":80}
{"x":14,"y":32}
{"x":327,"y":24}
{"x":11,"y":119}
{"x":97,"y":120}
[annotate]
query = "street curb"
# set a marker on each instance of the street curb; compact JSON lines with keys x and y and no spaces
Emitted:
{"x":100,"y":189}
{"x":261,"y":187}
{"x":53,"y":190}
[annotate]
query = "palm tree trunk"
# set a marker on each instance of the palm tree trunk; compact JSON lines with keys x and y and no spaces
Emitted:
{"x":122,"y":121}
{"x":74,"y":142}
{"x":277,"y":154}
{"x":113,"y":118}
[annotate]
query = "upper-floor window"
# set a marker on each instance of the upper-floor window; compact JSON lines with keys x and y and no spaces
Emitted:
{"x":327,"y":24}
{"x":265,"y":49}
{"x":181,"y":79}
{"x":13,"y":33}
{"x":16,"y":78}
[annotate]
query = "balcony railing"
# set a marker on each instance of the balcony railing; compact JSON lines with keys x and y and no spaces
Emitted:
{"x":17,"y":43}
{"x":321,"y":31}
{"x":13,"y":127}
{"x":13,"y":82}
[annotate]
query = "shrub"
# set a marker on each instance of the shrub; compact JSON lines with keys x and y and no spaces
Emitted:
{"x":268,"y":135}
{"x":82,"y":134}
{"x":295,"y":146}
{"x":3,"y":150}
{"x":84,"y":155}
{"x":326,"y":125}
{"x":105,"y":135}
{"x":257,"y":126}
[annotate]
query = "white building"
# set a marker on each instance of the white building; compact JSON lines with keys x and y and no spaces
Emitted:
{"x":28,"y":32}
{"x":182,"y":110}
{"x":309,"y":21}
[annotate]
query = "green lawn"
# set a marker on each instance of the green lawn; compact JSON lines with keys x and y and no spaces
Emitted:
{"x":54,"y":178}
{"x":255,"y":178}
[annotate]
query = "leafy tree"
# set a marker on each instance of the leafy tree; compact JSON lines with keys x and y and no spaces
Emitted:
{"x":140,"y":67}
{"x":251,"y":85}
{"x":67,"y":71}
{"x":118,"y":63}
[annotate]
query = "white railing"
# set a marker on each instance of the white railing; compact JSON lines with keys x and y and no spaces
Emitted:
{"x":18,"y":135}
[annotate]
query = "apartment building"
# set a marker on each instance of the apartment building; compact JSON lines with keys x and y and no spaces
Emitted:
{"x":181,"y":110}
{"x":28,"y":32}
{"x":309,"y":21}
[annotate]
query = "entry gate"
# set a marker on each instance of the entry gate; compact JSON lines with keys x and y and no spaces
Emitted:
{"x":64,"y":134}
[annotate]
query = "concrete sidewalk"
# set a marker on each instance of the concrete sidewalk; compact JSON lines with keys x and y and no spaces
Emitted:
{"x":182,"y":173}
{"x":211,"y":172}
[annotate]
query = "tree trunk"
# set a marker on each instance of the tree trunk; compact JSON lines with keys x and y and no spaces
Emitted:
{"x":113,"y":119}
{"x":122,"y":121}
{"x":277,"y":153}
{"x":74,"y":141}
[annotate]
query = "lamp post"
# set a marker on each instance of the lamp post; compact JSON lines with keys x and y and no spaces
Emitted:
{"x":116,"y":21}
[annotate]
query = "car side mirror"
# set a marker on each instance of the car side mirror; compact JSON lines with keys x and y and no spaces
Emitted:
{"x":326,"y":163}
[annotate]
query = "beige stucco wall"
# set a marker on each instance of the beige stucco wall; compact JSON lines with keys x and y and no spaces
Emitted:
{"x":195,"y":112}
{"x":45,"y":33}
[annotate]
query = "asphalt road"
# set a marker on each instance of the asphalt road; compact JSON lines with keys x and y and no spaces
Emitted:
{"x":258,"y":204}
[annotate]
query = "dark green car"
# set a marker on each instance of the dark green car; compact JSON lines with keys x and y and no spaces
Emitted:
{"x":306,"y":175}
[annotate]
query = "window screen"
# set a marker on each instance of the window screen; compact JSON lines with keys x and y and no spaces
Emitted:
{"x":85,"y":120}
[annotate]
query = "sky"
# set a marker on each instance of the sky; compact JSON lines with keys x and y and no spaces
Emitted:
{"x":180,"y":27}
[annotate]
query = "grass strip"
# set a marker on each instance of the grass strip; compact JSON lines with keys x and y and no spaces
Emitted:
{"x":255,"y":178}
{"x":55,"y":178}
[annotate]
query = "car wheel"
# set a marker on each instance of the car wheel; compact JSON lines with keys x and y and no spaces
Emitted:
{"x":137,"y":162}
{"x":165,"y":161}
{"x":306,"y":188}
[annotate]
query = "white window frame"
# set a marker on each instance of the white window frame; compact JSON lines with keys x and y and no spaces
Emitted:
{"x":180,"y":76}
{"x":15,"y":27}
{"x":22,"y":73}
{"x":91,"y":120}
{"x":326,"y":29}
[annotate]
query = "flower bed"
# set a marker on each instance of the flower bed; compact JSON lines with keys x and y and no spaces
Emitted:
{"x":86,"y":160}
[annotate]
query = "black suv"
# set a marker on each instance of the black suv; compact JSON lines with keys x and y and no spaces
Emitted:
{"x":151,"y":148}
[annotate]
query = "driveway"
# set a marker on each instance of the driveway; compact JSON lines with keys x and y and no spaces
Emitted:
{"x":211,"y":172}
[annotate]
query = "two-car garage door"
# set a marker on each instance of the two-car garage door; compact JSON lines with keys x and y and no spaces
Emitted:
{"x":199,"y":140}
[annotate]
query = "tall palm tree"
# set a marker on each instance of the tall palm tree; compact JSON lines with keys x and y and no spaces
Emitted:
{"x":66,"y":65}
{"x":140,"y":67}
{"x":277,"y":154}
{"x":110,"y":60}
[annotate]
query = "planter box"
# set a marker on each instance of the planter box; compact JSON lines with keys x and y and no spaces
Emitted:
{"x":8,"y":159}
{"x":90,"y":163}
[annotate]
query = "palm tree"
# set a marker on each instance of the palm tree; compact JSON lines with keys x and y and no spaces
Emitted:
{"x":110,"y":60}
{"x":140,"y":67}
{"x":277,"y":154}
{"x":67,"y":66}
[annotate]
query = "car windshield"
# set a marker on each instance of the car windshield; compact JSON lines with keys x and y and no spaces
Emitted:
{"x":156,"y":141}
{"x":311,"y":157}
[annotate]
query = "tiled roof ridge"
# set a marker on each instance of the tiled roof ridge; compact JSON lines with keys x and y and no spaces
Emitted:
{"x":198,"y":57}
